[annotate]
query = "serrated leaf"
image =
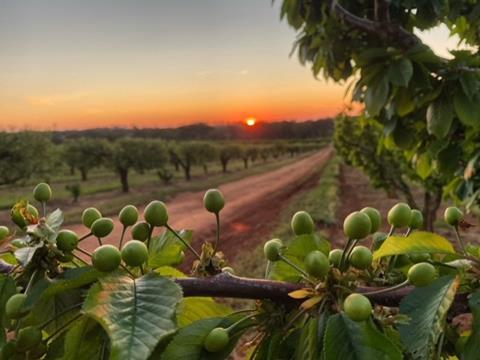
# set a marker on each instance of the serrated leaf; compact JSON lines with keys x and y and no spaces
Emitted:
{"x":472,"y":347}
{"x":307,"y":348}
{"x":136,"y":313}
{"x":400,"y":72}
{"x":166,"y":248}
{"x":439,"y":118}
{"x":349,"y":340}
{"x":467,"y":110}
{"x":376,"y":97}
{"x":296,"y":251}
{"x":68,"y":280}
{"x":188,"y":342}
{"x":192,"y":309}
{"x":427,"y":308}
{"x":86,"y":340}
{"x":417,"y":242}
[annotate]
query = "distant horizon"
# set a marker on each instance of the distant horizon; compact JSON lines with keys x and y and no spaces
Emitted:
{"x":162,"y":127}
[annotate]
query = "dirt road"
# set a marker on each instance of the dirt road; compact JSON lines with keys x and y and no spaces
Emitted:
{"x":252,"y":206}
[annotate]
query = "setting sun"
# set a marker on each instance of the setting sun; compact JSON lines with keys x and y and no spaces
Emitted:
{"x":250,"y":121}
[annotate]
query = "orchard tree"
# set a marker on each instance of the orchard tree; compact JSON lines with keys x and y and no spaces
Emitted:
{"x":128,"y":300}
{"x":85,"y":154}
{"x":248,"y":153}
{"x":190,"y":153}
{"x":136,"y":154}
{"x":227,"y":152}
{"x":425,"y":103}
{"x":24,"y":155}
{"x":358,"y":141}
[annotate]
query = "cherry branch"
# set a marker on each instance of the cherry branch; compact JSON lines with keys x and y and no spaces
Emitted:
{"x":385,"y":28}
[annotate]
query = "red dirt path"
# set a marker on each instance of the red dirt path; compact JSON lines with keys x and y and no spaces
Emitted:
{"x":252,"y":206}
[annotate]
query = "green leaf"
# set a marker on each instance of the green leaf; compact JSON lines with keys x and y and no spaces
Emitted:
{"x":307,"y":348}
{"x":470,"y":84}
{"x":349,"y":340}
{"x":400,"y":72}
{"x":439,"y":118}
{"x":8,"y":288}
{"x":136,"y":313}
{"x":86,"y":340}
{"x":188,"y":343}
{"x":427,"y":309}
{"x":376,"y":97}
{"x":166,"y":248}
{"x":467,"y":110}
{"x":296,"y":251}
{"x":417,"y":242}
{"x":472,"y":347}
{"x":424,"y":166}
{"x":69,"y":280}
{"x":192,"y":309}
{"x":404,"y":103}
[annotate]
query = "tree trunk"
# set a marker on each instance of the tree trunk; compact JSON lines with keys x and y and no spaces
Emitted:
{"x":177,"y":166}
{"x":186,"y":169}
{"x":432,"y":202}
{"x":72,"y":170}
{"x":205,"y":169}
{"x":83,"y":171}
{"x":124,"y":179}
{"x":224,"y":165}
{"x":245,"y":163}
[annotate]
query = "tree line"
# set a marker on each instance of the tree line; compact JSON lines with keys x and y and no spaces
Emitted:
{"x":286,"y":130}
{"x":22,"y":155}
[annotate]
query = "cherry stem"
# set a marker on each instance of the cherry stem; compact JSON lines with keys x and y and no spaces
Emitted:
{"x":30,"y":281}
{"x":44,"y":208}
{"x":217,"y":240}
{"x":296,"y":267}
{"x":150,"y":232}
{"x":345,"y":248}
{"x":84,"y":251}
{"x":409,"y":231}
{"x":392,"y":230}
{"x":67,"y":310}
{"x":228,"y":329}
{"x":121,"y":237}
{"x":62,"y":328}
{"x":128,"y":271}
{"x":459,"y":240}
{"x":183,"y":241}
{"x":99,"y":241}
{"x":85,"y":236}
{"x":80,"y":259}
{"x":386,"y":290}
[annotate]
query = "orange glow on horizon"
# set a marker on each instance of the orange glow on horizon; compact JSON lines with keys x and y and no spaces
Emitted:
{"x":250,"y":121}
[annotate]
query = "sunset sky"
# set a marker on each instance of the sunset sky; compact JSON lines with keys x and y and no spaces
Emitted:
{"x":155,"y":63}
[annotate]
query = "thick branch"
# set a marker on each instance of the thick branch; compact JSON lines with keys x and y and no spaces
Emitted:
{"x":392,"y":32}
{"x":382,"y":12}
{"x":226,"y":285}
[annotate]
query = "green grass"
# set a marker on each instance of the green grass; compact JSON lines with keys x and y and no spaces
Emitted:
{"x":321,"y":202}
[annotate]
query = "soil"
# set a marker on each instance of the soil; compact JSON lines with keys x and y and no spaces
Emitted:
{"x":253,"y":205}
